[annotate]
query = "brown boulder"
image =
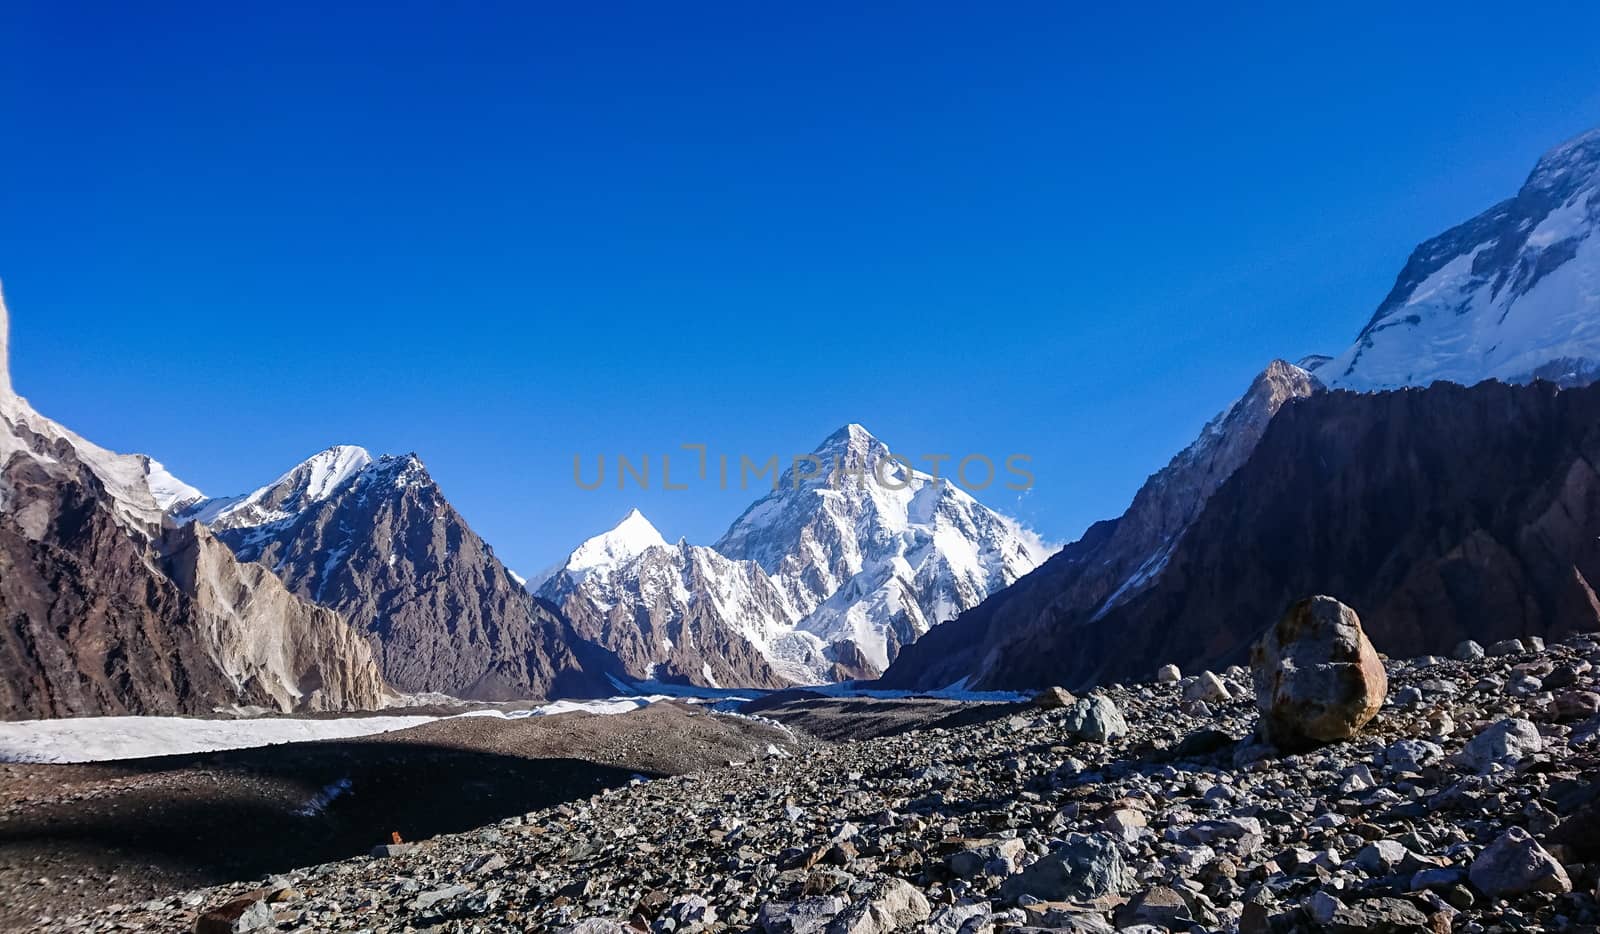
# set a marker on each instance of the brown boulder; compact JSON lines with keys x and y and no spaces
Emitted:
{"x":1317,"y":677}
{"x":1054,"y":699}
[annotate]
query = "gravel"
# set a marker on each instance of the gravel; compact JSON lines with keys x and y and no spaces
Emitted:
{"x":1028,"y":821}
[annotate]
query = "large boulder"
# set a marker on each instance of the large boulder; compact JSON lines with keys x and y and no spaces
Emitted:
{"x":1053,"y":698}
{"x":895,"y":905}
{"x":1503,"y":744}
{"x":1516,"y":864}
{"x":1086,"y":868}
{"x":1095,"y":718}
{"x":1317,"y":677}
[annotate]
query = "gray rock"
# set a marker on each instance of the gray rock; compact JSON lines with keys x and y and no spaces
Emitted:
{"x":1169,"y":674}
{"x":807,"y":916}
{"x":981,"y":854}
{"x":257,"y":917}
{"x":1502,"y":744}
{"x":1378,"y":916}
{"x":1087,"y":867}
{"x":1467,"y":651}
{"x":434,"y":897}
{"x":1412,"y":755}
{"x":893,"y":906}
{"x":1095,"y":718}
{"x":1208,"y":832}
{"x":1523,"y":685}
{"x":1408,"y":698}
{"x":690,"y":912}
{"x":486,"y":864}
{"x":1321,"y":907}
{"x":1381,"y":856}
{"x":1516,"y":864}
{"x":957,"y":919}
{"x":1160,"y":906}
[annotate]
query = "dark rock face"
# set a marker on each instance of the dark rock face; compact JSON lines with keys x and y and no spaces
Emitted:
{"x":388,"y":551}
{"x":105,"y":608}
{"x":87,"y":623}
{"x":1115,"y":560}
{"x":94,"y":621}
{"x":1440,"y":515}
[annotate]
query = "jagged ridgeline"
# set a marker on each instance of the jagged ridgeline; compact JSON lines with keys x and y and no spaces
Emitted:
{"x":110,"y":609}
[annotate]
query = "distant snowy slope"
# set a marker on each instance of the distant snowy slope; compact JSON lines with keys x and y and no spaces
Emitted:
{"x":1513,"y":294}
{"x":169,"y":492}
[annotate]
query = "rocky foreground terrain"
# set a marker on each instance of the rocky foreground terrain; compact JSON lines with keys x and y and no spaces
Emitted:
{"x":1467,"y":804}
{"x":77,"y":838}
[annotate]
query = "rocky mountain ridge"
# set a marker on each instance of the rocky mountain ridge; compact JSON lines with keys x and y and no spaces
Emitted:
{"x":1507,"y":296}
{"x":107,"y":608}
{"x":378,"y":541}
{"x":1115,"y":560}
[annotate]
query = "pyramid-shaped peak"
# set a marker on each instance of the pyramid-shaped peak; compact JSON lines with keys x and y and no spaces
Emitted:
{"x":853,"y":442}
{"x":632,"y":536}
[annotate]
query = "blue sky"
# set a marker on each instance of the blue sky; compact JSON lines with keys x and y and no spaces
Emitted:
{"x":502,"y":235}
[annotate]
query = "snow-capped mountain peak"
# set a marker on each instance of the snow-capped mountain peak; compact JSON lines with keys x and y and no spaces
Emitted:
{"x":598,"y":558}
{"x":874,"y":552}
{"x":311,"y":481}
{"x":170,"y":492}
{"x":852,"y":445}
{"x":631,"y":537}
{"x":852,"y":555}
{"x":1513,"y":294}
{"x":328,"y":470}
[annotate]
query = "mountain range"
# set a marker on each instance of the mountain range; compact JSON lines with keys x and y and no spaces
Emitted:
{"x":825,"y":578}
{"x":1438,"y":512}
{"x":1439,"y":509}
{"x":376,"y":540}
{"x":106,"y":606}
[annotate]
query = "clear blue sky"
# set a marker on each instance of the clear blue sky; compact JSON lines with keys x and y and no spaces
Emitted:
{"x":499,"y":235}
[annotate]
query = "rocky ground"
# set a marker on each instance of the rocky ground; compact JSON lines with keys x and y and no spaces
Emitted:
{"x":838,"y":719}
{"x":75,"y":838}
{"x":1468,"y":804}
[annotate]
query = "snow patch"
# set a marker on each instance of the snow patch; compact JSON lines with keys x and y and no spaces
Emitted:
{"x":101,"y":739}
